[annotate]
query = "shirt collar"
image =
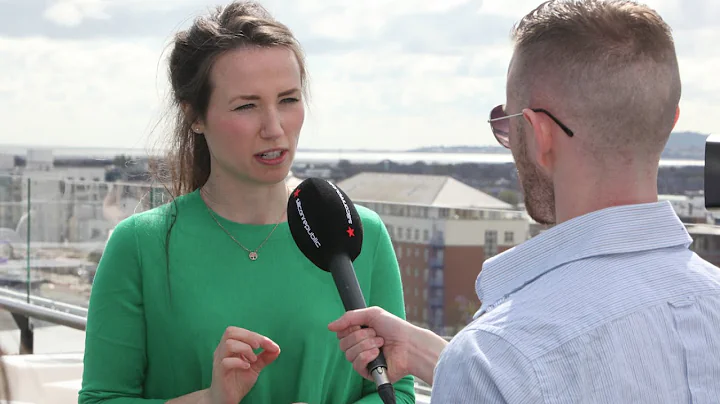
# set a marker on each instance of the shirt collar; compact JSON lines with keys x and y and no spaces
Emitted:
{"x":615,"y":230}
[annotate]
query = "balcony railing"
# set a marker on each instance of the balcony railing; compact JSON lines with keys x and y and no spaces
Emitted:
{"x":52,"y":234}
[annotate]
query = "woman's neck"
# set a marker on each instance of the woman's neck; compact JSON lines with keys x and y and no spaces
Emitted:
{"x":244,"y":202}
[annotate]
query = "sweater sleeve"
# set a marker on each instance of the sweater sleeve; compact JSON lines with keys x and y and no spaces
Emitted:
{"x":115,"y":353}
{"x":386,"y":291}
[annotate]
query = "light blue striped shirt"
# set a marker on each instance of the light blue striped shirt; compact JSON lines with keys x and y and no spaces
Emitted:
{"x":610,"y":307}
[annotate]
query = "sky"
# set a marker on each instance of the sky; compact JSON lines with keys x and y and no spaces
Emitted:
{"x":384,"y":74}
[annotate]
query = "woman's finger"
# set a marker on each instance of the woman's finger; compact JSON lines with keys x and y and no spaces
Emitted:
{"x":236,"y":348}
{"x":232,"y":363}
{"x":251,"y":338}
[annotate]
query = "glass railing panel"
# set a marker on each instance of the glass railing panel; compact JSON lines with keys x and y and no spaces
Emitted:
{"x":53,"y":232}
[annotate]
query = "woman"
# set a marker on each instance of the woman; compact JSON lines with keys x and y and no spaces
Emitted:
{"x":207,"y":299}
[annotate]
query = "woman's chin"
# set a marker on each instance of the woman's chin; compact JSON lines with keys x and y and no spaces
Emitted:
{"x":272,"y":177}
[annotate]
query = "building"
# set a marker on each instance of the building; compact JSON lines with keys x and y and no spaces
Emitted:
{"x":442,"y":231}
{"x":53,"y":204}
{"x":706,"y":241}
{"x":690,"y":208}
{"x":292,"y":181}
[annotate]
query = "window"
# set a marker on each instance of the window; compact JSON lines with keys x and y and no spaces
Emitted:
{"x":417,"y":234}
{"x":426,"y":235}
{"x":509,"y":237}
{"x":491,"y":240}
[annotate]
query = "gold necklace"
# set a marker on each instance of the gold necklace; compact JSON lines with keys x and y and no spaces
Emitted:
{"x":252,"y":254}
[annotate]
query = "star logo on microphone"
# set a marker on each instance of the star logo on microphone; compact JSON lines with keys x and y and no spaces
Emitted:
{"x":351,"y":232}
{"x":297,"y":192}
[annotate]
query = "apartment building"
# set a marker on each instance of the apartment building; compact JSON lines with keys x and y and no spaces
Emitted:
{"x":690,"y":208}
{"x":706,"y":241}
{"x":55,"y":204}
{"x":442,"y":230}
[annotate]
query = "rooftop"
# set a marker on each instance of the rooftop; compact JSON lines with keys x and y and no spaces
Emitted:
{"x":414,"y":189}
{"x":704,"y":229}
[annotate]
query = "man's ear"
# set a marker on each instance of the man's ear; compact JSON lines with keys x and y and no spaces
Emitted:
{"x":677,"y":116}
{"x":541,"y":132}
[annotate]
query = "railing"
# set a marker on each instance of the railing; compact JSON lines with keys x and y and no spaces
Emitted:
{"x":53,"y":230}
{"x":53,"y":233}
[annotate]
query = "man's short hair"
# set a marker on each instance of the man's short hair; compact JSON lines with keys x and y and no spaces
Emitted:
{"x":607,"y":69}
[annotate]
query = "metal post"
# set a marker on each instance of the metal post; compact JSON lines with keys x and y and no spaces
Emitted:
{"x":27,"y":254}
{"x":27,"y":335}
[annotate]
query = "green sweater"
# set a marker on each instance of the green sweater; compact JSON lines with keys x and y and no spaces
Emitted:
{"x":152,"y":329}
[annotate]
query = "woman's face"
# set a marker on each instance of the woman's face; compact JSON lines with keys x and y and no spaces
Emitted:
{"x":254,"y":115}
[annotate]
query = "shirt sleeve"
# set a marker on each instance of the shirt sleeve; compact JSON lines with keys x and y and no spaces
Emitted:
{"x":386,"y":291}
{"x":481,"y":367}
{"x":115,"y":354}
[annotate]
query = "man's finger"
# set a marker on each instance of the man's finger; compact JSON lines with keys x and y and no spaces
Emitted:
{"x":344,"y":333}
{"x":360,"y":363}
{"x":354,"y":318}
{"x":356,"y":337}
{"x":370,"y":344}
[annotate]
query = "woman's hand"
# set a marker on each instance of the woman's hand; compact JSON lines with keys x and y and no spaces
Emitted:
{"x":236,"y":367}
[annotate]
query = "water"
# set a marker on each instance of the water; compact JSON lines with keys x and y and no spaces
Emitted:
{"x":329,"y":156}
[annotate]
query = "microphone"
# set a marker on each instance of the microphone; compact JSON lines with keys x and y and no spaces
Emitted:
{"x":327,"y":229}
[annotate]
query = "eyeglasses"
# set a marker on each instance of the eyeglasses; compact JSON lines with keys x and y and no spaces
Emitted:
{"x":500,"y":123}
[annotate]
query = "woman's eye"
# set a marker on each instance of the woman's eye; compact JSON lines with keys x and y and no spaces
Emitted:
{"x":289,"y":100}
{"x":243,"y":107}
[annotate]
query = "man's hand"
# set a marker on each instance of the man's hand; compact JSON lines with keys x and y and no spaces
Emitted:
{"x":361,"y":345}
{"x":408,"y":349}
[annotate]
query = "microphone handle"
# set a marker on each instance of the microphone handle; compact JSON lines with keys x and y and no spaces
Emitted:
{"x":347,"y":285}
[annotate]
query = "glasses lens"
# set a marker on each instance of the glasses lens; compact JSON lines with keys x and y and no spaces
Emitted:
{"x":501,"y":127}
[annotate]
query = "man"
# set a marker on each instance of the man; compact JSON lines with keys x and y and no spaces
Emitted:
{"x":608,"y":306}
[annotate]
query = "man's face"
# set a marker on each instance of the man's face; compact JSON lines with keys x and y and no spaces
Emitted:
{"x":538,"y":189}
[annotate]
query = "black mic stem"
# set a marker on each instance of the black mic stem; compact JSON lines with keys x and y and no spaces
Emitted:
{"x":347,"y":285}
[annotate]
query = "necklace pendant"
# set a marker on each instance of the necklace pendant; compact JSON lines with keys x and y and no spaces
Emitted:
{"x":253,"y":256}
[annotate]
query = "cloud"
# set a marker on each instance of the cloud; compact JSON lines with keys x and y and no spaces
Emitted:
{"x":73,"y":12}
{"x":78,"y":92}
{"x":384,"y":74}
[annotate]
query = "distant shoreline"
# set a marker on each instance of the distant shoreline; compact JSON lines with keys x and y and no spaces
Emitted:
{"x":488,"y":155}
